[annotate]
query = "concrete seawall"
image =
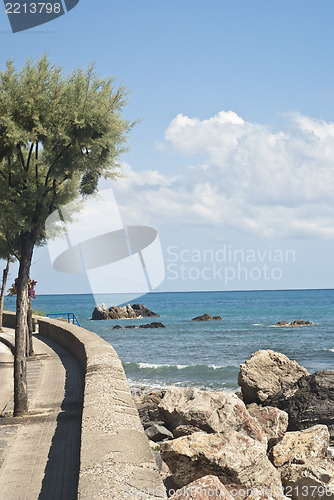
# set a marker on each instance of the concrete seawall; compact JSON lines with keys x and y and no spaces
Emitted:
{"x":116,"y":461}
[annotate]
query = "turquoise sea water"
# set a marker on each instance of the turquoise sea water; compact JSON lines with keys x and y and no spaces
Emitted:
{"x":208,"y":354}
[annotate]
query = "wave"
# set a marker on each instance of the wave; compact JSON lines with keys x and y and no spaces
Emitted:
{"x":331,"y":350}
{"x":154,"y":366}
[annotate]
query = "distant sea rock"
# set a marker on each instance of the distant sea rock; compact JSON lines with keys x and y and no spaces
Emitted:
{"x":207,"y":317}
{"x":155,"y":324}
{"x":122,"y":312}
{"x":297,"y":322}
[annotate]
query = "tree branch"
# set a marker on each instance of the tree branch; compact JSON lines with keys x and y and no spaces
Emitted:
{"x":55,"y":161}
{"x":21,"y":156}
{"x":29,"y":155}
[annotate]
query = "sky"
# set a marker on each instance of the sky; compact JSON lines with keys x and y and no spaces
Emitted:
{"x":232,"y":159}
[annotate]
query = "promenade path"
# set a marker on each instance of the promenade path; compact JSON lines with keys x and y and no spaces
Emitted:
{"x":39,"y":453}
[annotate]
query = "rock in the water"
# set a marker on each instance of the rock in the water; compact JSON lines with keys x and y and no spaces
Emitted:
{"x":232,"y":457}
{"x":209,"y":411}
{"x":308,"y":402}
{"x":299,"y":445}
{"x":207,"y":317}
{"x":297,"y":322}
{"x":266,"y":373}
{"x":122,"y":312}
{"x":273,"y":421}
{"x":143,"y":312}
{"x":155,"y":324}
{"x":204,"y":488}
{"x":100,"y":312}
{"x":156,"y":432}
{"x":311,"y":480}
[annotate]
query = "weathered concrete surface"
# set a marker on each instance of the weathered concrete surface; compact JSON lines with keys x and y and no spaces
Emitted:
{"x":115,"y":460}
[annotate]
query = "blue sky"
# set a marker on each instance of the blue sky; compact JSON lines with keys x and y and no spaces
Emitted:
{"x":235,"y":150}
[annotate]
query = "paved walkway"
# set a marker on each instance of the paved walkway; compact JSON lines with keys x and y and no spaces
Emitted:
{"x":39,"y":453}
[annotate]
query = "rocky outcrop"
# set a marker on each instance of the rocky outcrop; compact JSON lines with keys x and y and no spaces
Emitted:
{"x":122,"y":312}
{"x":265,"y":374}
{"x":155,"y":324}
{"x":207,"y":317}
{"x":308,"y":402}
{"x":297,"y":446}
{"x":297,"y":322}
{"x":311,"y":479}
{"x":210,"y":411}
{"x":205,"y":487}
{"x":232,"y":457}
{"x":273,"y":421}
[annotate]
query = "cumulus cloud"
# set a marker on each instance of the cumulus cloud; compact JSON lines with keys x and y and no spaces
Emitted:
{"x":274,"y":183}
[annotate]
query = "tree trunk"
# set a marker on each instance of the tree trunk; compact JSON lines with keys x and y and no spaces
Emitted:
{"x":29,"y":346}
{"x":20,"y":365}
{"x":3,"y":289}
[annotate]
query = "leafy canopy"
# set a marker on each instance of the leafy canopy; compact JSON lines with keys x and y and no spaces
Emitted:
{"x":58,"y":135}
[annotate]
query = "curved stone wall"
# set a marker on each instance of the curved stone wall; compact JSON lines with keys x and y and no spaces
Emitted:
{"x":116,"y":461}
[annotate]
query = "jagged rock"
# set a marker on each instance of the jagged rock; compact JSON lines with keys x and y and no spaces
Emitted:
{"x":117,"y":327}
{"x":100,"y":312}
{"x":122,"y":312}
{"x":311,"y":480}
{"x":185,"y":430}
{"x":156,"y":432}
{"x":299,"y":445}
{"x":143,"y":312}
{"x":273,"y":421}
{"x":209,"y":411}
{"x":297,"y":322}
{"x":232,"y":457}
{"x":207,"y":317}
{"x":266,"y":373}
{"x":148,"y":407}
{"x":203,"y":488}
{"x":308,"y":402}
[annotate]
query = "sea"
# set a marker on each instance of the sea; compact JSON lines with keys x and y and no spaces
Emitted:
{"x":207,"y":355}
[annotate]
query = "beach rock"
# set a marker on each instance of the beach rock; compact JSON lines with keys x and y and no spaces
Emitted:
{"x":308,"y":402}
{"x":232,"y":457}
{"x":266,"y":373}
{"x":297,"y":322}
{"x":202,"y":489}
{"x":210,"y":411}
{"x":122,"y":312}
{"x":207,"y":317}
{"x":185,"y":430}
{"x":311,"y":480}
{"x":273,"y":421}
{"x":100,"y":312}
{"x":241,"y":492}
{"x":148,"y":407}
{"x":143,"y":312}
{"x":156,"y":432}
{"x":299,"y":445}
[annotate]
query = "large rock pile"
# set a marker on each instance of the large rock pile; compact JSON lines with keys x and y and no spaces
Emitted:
{"x":274,"y":443}
{"x":122,"y":312}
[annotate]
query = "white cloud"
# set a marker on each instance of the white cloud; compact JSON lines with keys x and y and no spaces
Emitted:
{"x":265,"y":182}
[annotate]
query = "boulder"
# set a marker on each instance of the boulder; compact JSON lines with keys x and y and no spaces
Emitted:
{"x":143,"y":312}
{"x":207,"y":317}
{"x":232,"y":457}
{"x":202,"y":489}
{"x":241,"y":492}
{"x":148,"y":407}
{"x":156,"y":432}
{"x":308,"y":402}
{"x":266,"y":373}
{"x":209,"y":411}
{"x":299,"y":445}
{"x":122,"y":312}
{"x":273,"y":421}
{"x":311,"y":480}
{"x":185,"y":430}
{"x":100,"y":312}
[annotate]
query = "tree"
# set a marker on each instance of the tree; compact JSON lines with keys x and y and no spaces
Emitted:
{"x":58,"y":135}
{"x":5,"y":255}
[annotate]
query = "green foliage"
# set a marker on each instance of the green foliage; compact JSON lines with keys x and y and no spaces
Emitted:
{"x":58,"y":135}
